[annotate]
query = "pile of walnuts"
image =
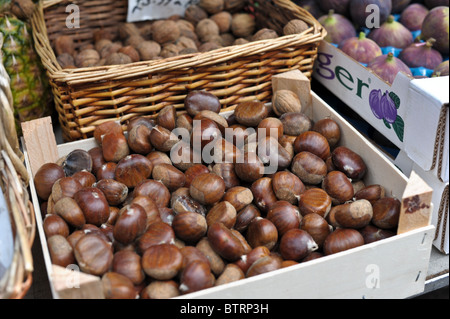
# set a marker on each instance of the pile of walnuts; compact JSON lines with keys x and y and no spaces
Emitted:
{"x":209,"y":25}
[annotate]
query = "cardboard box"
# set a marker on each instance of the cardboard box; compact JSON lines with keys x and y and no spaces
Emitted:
{"x":392,"y":268}
{"x":422,"y":105}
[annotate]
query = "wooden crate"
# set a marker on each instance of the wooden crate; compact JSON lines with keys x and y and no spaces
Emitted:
{"x":392,"y":268}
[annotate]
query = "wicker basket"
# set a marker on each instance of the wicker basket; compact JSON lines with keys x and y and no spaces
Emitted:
{"x":87,"y":97}
{"x":13,"y":183}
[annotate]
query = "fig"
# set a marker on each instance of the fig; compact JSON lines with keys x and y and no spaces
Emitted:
{"x":338,"y":27}
{"x":441,"y":69}
{"x":399,"y":5}
{"x":339,"y":6}
{"x":359,"y":15}
{"x":421,"y":55}
{"x":435,"y":25}
{"x":387,"y":66}
{"x":413,"y":16}
{"x":436,"y":3}
{"x":361,"y":48}
{"x":392,"y":34}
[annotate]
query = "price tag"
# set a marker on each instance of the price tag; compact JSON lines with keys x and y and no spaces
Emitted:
{"x":141,"y":10}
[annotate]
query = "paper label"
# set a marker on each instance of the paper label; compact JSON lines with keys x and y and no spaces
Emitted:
{"x":141,"y":10}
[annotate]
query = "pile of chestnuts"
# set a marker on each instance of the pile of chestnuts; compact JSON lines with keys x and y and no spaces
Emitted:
{"x":157,"y":212}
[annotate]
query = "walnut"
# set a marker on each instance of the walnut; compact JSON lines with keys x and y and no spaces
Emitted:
{"x":206,"y":29}
{"x":188,"y":51}
{"x":223,"y":20}
{"x":264,"y":34}
{"x":110,"y":49}
{"x":187,"y":29}
{"x":148,"y":50}
{"x":127,"y":30}
{"x":242,"y":25}
{"x":208,"y":46}
{"x":134,"y":40}
{"x":211,"y":6}
{"x":240,"y":41}
{"x":117,"y":58}
{"x":284,"y":101}
{"x":146,"y":29}
{"x":87,"y":58}
{"x":165,"y":31}
{"x":100,"y":44}
{"x":194,"y":14}
{"x":295,"y":26}
{"x":64,"y":44}
{"x":131,"y":52}
{"x":66,"y":61}
{"x":105,"y":34}
{"x":185,"y":42}
{"x":227,"y":39}
{"x":169,"y":50}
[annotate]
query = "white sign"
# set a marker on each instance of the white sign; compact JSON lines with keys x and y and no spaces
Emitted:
{"x":141,"y":10}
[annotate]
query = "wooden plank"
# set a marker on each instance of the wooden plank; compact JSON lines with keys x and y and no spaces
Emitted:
{"x":416,"y":205}
{"x":40,"y":142}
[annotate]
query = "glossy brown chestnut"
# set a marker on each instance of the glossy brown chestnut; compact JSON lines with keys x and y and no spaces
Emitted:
{"x":263,"y":194}
{"x":207,"y":188}
{"x":65,"y":187}
{"x":182,"y":201}
{"x":231,"y":273}
{"x":133,"y":169}
{"x":228,"y":174}
{"x":184,"y":121}
{"x":196,"y":276}
{"x":315,"y":200}
{"x":312,"y":142}
{"x":330,"y":129}
{"x":272,"y":153}
{"x":284,"y":216}
{"x":250,"y":113}
{"x":150,"y":207}
{"x":317,"y":227}
{"x":114,"y":191}
{"x":93,"y":254}
{"x":156,"y":233}
{"x":167,"y":117}
{"x":222,"y":212}
{"x":270,"y":126}
{"x":97,"y":158}
{"x":161,"y":289}
{"x":105,"y":128}
{"x":224,"y":242}
{"x":251,"y":168}
{"x":296,"y":244}
{"x":61,"y":252}
{"x":139,"y":139}
{"x":287,"y":186}
{"x":220,"y":121}
{"x":194,"y":171}
{"x":115,"y":147}
{"x":338,"y":186}
{"x":94,"y":205}
{"x":76,"y":161}
{"x":264,"y":265}
{"x":191,"y":253}
{"x":141,"y":120}
{"x":69,"y":210}
{"x":183,"y":156}
{"x":216,"y":262}
{"x":197,"y":101}
{"x":85,"y":178}
{"x":162,"y":262}
{"x":295,"y":123}
{"x":310,"y":168}
{"x":386,"y":212}
{"x":237,"y":134}
{"x":155,"y":190}
{"x":355,"y":214}
{"x":239,"y":197}
{"x":245,"y":217}
{"x":169,"y":175}
{"x":204,"y":132}
{"x":107,"y":170}
{"x":131,"y":223}
{"x":225,"y":152}
{"x":372,"y":193}
{"x":348,"y":162}
{"x":372,"y":233}
{"x":157,"y":157}
{"x":113,"y":214}
{"x":162,"y":139}
{"x":118,"y":286}
{"x":55,"y":225}
{"x":189,"y":226}
{"x":247,"y":260}
{"x":342,"y":239}
{"x":128,"y":263}
{"x":262,"y":232}
{"x":312,"y":256}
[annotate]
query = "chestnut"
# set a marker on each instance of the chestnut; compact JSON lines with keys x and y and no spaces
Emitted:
{"x":150,"y":208}
{"x":167,"y":117}
{"x":156,"y":233}
{"x":315,"y":200}
{"x":312,"y":256}
{"x":115,"y":147}
{"x":93,"y":254}
{"x":224,"y":242}
{"x":128,"y":263}
{"x":155,"y":190}
{"x":113,"y":214}
{"x":114,"y":191}
{"x":329,"y":129}
{"x":107,"y":170}
{"x":386,"y":212}
{"x":310,"y":168}
{"x":348,"y":162}
{"x":284,"y":216}
{"x":342,"y":239}
{"x":131,"y":223}
{"x":262,"y":232}
{"x":182,"y":201}
{"x":139,"y":139}
{"x":287,"y":186}
{"x":245,"y":217}
{"x":169,"y":175}
{"x":296,"y":244}
{"x":372,"y":233}
{"x":231,"y":273}
{"x":225,"y":152}
{"x":207,"y":188}
{"x":222,"y":212}
{"x":220,"y":121}
{"x":157,"y":157}
{"x":194,"y":171}
{"x":184,"y":121}
{"x":317,"y":227}
{"x":97,"y":158}
{"x":94,"y":205}
{"x":247,"y":260}
{"x":118,"y":286}
{"x":161,"y":289}
{"x":338,"y":186}
{"x":162,"y":262}
{"x":65,"y":187}
{"x":61,"y":251}
{"x":263,"y":194}
{"x":295,"y":123}
{"x":105,"y":128}
{"x":228,"y":174}
{"x":76,"y":161}
{"x":133,"y":169}
{"x":97,"y":231}
{"x":196,"y":276}
{"x":251,"y":168}
{"x":183,"y":156}
{"x":189,"y":226}
{"x":55,"y":225}
{"x":191,"y":253}
{"x":204,"y":132}
{"x":141,"y":120}
{"x":372,"y":193}
{"x":239,"y":197}
{"x":355,"y":214}
{"x":270,"y":126}
{"x":264,"y":265}
{"x":312,"y":142}
{"x":85,"y":178}
{"x":197,"y":101}
{"x":162,"y":139}
{"x":216,"y":262}
{"x":250,"y":113}
{"x":272,"y":154}
{"x":69,"y":210}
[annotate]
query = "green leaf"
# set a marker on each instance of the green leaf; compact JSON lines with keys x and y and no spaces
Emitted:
{"x":399,"y":127}
{"x":387,"y":124}
{"x":395,"y":98}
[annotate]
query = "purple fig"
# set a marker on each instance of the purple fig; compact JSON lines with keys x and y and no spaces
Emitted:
{"x":387,"y":66}
{"x":338,"y":27}
{"x":421,"y":55}
{"x":436,"y":3}
{"x":312,"y":7}
{"x":413,"y":16}
{"x":388,"y":108}
{"x":435,"y":25}
{"x":339,"y":6}
{"x":392,"y":34}
{"x":359,"y":15}
{"x":399,"y":5}
{"x":375,"y":103}
{"x":360,"y":48}
{"x":441,"y":69}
